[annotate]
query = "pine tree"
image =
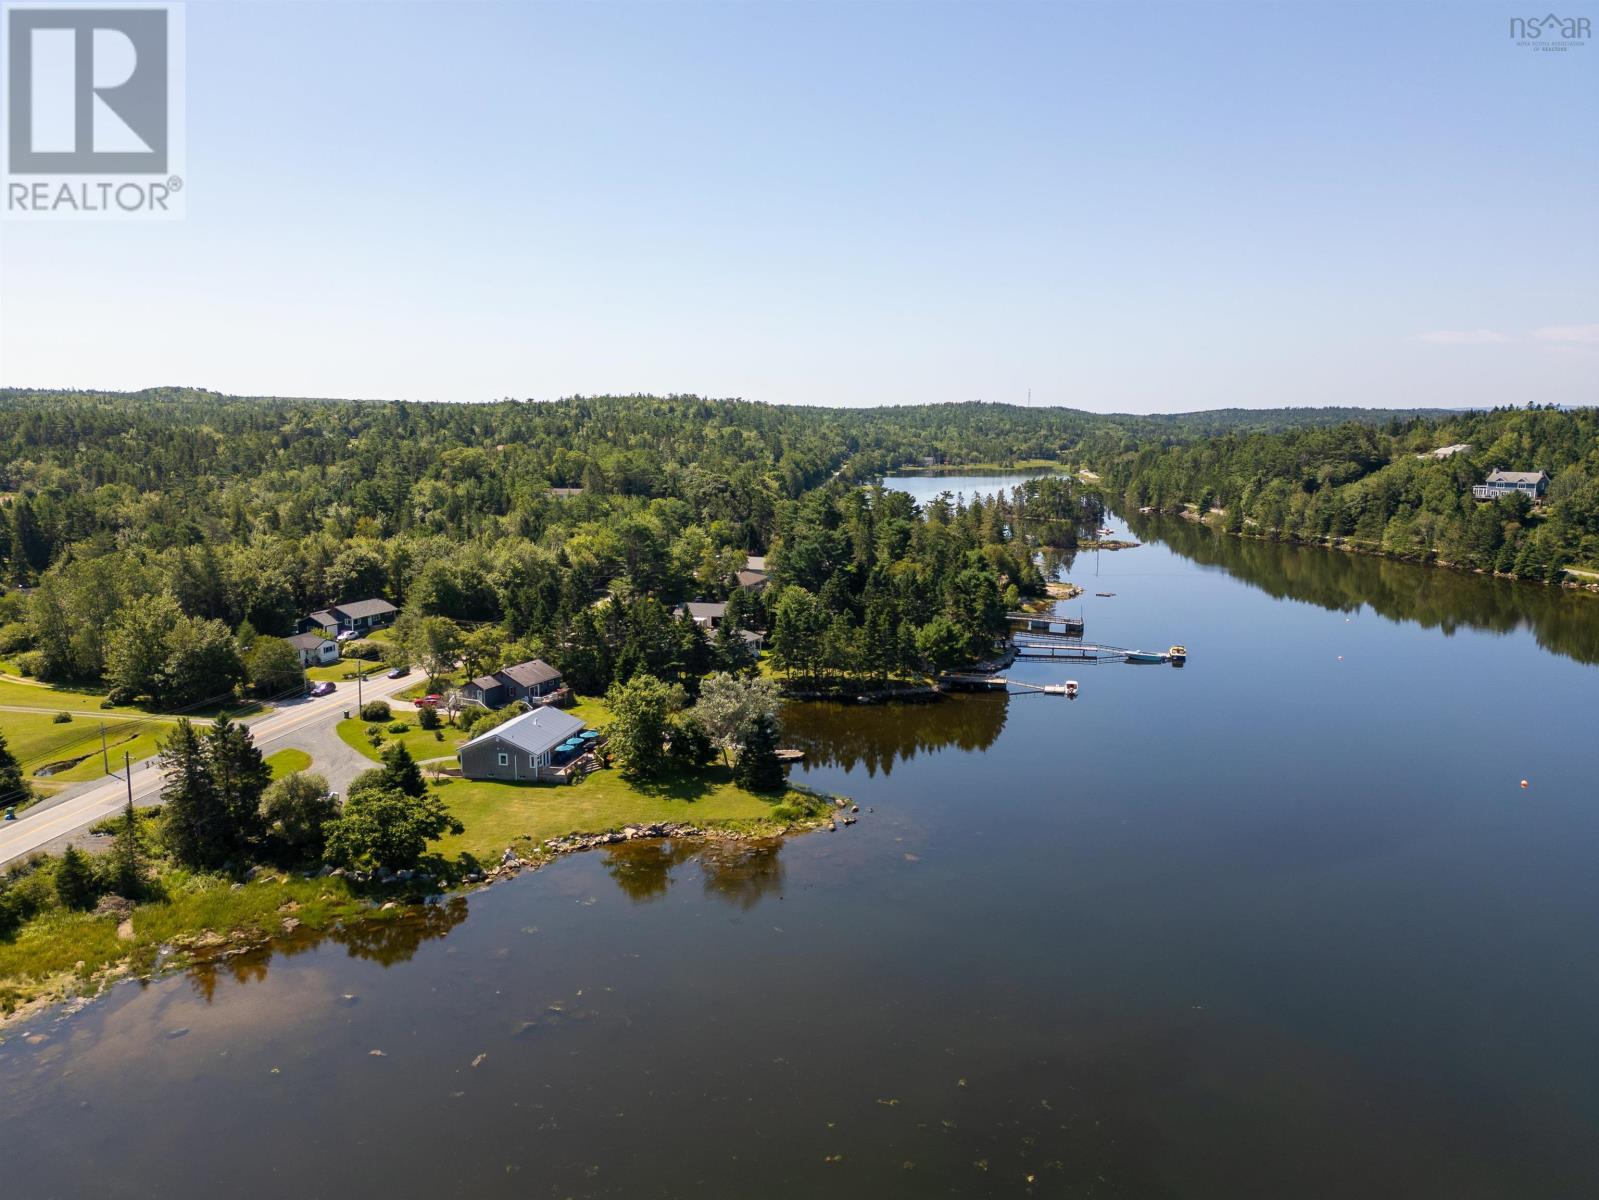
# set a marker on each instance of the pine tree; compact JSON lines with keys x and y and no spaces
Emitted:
{"x":758,"y":768}
{"x":14,"y":786}
{"x":194,"y":819}
{"x":125,"y":860}
{"x":75,"y":880}
{"x":731,"y":652}
{"x":400,"y":771}
{"x":241,"y":775}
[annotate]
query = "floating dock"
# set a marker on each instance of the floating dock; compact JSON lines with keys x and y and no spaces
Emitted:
{"x":1046,"y":623}
{"x":971,"y":682}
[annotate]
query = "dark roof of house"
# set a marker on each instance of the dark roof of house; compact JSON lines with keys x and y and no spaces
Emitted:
{"x":702,"y":610}
{"x":530,"y":673}
{"x":1516,"y":476}
{"x":307,"y":641}
{"x":364,"y":608}
{"x":324,"y":616}
{"x":533,"y":732}
{"x":485,"y":683}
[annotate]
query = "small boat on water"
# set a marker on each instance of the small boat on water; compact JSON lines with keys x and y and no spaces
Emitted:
{"x":1104,"y":593}
{"x":1147,"y":656}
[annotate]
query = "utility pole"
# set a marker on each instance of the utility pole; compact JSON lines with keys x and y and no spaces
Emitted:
{"x":105,"y":762}
{"x":360,"y":674}
{"x":127,"y":771}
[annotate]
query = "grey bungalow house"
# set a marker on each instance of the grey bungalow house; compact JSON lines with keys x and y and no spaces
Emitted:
{"x":530,"y":681}
{"x":1531,"y":484}
{"x":522,"y":749}
{"x":353,"y":616}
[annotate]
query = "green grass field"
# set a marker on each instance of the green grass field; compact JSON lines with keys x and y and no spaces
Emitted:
{"x":287,"y":762}
{"x":498,"y":814}
{"x":346,"y":669}
{"x":30,"y":693}
{"x":37,"y":741}
{"x":421,"y":743}
{"x":49,"y":697}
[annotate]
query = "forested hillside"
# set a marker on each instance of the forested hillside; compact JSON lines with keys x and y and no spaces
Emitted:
{"x":159,"y":536}
{"x":1382,"y":489}
{"x":166,"y":539}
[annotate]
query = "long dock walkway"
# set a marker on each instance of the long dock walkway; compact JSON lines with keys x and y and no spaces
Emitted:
{"x":1054,"y":646}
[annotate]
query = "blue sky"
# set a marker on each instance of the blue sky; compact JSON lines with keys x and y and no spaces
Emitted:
{"x":1131,"y":206}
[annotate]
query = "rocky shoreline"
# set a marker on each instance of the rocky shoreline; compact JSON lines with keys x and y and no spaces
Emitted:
{"x":188,"y":950}
{"x":512,"y":862}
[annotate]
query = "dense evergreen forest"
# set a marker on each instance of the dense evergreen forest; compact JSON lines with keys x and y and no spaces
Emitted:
{"x":153,"y":538}
{"x":1381,"y":488}
{"x":162,"y":543}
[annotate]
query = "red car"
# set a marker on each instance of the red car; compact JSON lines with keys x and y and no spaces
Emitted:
{"x":432,"y":700}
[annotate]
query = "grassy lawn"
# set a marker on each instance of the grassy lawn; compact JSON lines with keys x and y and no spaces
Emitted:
{"x":345,"y":668}
{"x":423,"y":685}
{"x":37,"y":741}
{"x":33,"y":694}
{"x":287,"y":762}
{"x":421,"y":743}
{"x":591,"y":711}
{"x":49,"y":697}
{"x":498,"y":814}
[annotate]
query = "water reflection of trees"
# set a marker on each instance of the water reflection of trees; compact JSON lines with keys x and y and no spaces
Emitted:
{"x":878,"y":736}
{"x":387,"y":941}
{"x":1056,"y":563}
{"x":1560,"y":620}
{"x":742,"y":873}
{"x":643,"y":869}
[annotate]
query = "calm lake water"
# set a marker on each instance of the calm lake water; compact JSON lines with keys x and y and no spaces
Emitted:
{"x":1279,"y":924}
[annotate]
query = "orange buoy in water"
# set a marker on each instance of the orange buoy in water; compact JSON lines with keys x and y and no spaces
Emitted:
{"x":1524,"y":783}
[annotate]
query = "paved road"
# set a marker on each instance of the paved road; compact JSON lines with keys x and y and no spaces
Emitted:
{"x":307,"y":723}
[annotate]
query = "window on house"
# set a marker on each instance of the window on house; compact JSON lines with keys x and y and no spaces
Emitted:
{"x":533,"y":760}
{"x":505,"y":759}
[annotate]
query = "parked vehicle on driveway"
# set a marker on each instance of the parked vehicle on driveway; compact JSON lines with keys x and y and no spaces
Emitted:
{"x":431,"y":700}
{"x":324,"y":688}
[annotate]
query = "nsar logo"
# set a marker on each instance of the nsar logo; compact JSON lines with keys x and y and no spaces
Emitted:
{"x":1550,"y":32}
